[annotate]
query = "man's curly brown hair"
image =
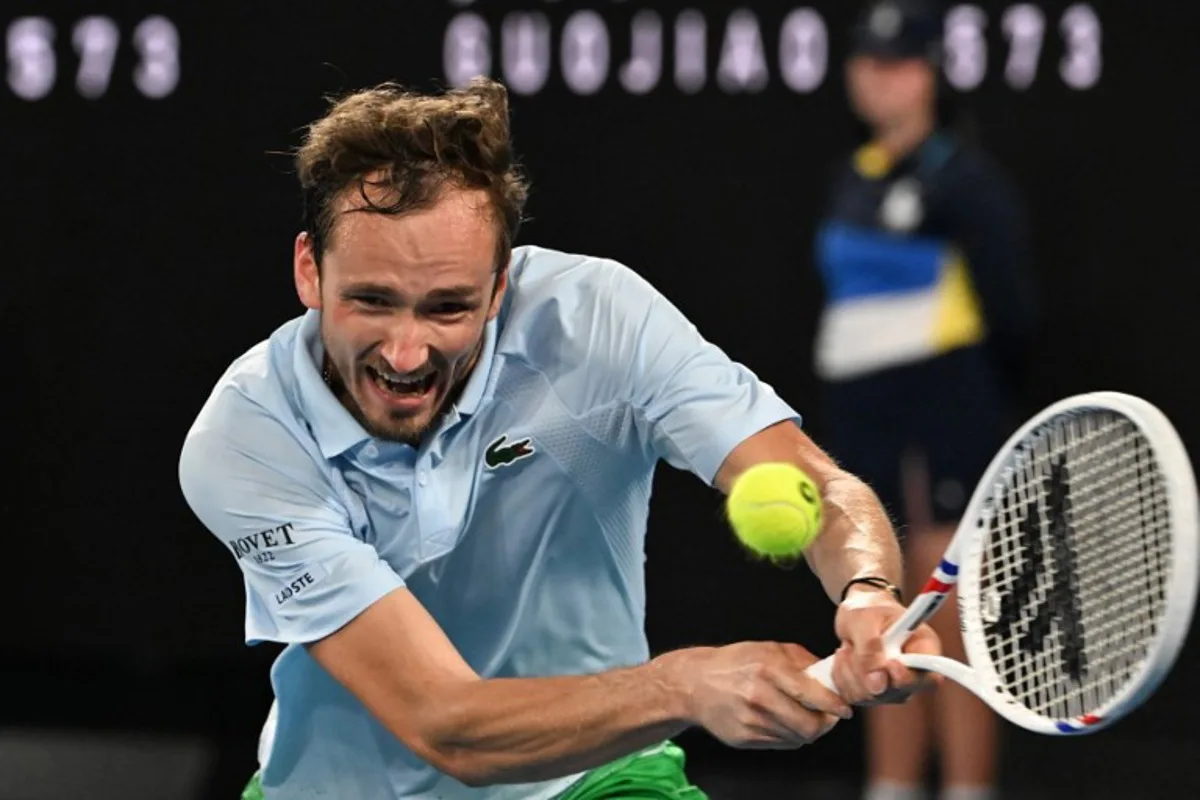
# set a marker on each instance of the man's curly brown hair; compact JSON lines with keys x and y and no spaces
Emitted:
{"x":412,"y":146}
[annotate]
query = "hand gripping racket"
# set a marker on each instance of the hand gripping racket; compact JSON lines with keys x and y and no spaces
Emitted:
{"x":1076,"y":567}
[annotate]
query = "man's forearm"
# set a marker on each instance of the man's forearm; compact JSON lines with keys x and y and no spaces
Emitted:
{"x":517,"y":730}
{"x":857,"y":539}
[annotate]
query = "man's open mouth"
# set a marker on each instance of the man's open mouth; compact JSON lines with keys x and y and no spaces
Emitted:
{"x":402,"y":387}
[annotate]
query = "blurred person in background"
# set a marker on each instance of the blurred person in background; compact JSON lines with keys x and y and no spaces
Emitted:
{"x":436,"y":482}
{"x":920,"y":349}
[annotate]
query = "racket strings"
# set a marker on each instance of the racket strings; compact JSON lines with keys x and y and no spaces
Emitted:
{"x":1075,"y":567}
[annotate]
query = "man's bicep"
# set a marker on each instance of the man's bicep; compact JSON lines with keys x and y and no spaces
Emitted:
{"x":306,"y":574}
{"x":782,"y":442}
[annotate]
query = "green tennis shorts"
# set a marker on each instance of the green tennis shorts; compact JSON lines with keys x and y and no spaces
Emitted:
{"x":652,"y":774}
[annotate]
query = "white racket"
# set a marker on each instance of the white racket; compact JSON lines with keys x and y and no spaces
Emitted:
{"x":1076,"y":567}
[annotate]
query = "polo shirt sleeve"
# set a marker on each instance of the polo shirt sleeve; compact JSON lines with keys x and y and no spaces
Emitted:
{"x":692,"y":404}
{"x":275,"y":512}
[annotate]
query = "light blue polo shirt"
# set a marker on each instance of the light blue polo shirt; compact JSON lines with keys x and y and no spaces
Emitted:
{"x":519,"y":523}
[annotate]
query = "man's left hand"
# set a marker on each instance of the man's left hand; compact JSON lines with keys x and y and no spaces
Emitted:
{"x":862,"y":672}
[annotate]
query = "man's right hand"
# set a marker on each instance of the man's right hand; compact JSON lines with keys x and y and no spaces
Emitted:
{"x":755,"y":695}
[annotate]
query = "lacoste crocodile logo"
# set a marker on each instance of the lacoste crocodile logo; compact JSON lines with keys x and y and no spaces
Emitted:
{"x":498,"y":454}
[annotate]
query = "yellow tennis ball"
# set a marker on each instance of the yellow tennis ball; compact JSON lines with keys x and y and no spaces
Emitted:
{"x":775,"y":510}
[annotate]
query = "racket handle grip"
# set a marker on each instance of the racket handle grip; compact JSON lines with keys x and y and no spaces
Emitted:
{"x":822,"y":672}
{"x":893,"y":640}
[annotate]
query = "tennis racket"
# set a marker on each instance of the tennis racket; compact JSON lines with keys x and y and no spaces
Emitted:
{"x":1076,"y":568}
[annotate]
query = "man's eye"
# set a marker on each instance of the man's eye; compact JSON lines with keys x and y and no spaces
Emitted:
{"x":446,"y":309}
{"x":370,"y":300}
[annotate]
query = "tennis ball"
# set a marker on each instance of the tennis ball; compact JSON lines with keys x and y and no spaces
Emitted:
{"x":775,"y":510}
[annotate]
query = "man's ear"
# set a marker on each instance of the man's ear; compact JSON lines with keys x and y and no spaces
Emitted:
{"x":306,"y":272}
{"x":498,"y":290}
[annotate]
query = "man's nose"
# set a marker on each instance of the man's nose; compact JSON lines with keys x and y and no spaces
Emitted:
{"x":406,"y":349}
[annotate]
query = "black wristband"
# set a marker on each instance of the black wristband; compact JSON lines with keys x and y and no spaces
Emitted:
{"x":878,"y":583}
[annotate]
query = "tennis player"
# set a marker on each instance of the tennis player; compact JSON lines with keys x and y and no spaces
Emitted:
{"x":436,"y":484}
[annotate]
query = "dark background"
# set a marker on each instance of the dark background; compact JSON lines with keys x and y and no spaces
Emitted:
{"x":147,"y":242}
